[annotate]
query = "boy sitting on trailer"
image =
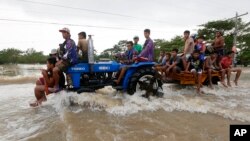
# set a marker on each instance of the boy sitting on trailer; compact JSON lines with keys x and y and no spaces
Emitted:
{"x":212,"y":64}
{"x":195,"y":66}
{"x":161,"y":57}
{"x":176,"y":64}
{"x":162,"y":67}
{"x":226,"y":64}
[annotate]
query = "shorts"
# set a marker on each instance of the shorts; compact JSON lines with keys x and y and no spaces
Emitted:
{"x":203,"y":57}
{"x":53,"y":90}
{"x":63,"y":66}
{"x":199,"y":71}
{"x":220,"y":52}
{"x":216,"y":69}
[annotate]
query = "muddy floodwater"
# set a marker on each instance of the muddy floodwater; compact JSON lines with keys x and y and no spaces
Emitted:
{"x":108,"y":115}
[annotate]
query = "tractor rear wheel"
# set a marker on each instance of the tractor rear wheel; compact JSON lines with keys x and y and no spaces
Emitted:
{"x":141,"y":74}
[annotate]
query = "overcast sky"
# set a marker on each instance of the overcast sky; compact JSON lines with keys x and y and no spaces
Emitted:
{"x":127,"y":18}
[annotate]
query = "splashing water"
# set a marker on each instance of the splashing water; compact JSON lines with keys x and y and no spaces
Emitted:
{"x":111,"y":115}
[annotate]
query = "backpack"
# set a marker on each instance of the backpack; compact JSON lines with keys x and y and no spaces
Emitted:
{"x":62,"y":49}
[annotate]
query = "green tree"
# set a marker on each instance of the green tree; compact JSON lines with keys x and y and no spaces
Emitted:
{"x":30,"y":56}
{"x":228,"y":27}
{"x":167,"y":46}
{"x":10,"y":55}
{"x":209,"y":29}
{"x":110,"y":52}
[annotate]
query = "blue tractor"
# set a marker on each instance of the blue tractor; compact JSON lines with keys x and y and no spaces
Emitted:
{"x":88,"y":77}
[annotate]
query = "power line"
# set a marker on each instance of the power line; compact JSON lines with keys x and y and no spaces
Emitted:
{"x":68,"y":24}
{"x":91,"y":10}
{"x":103,"y":12}
{"x":79,"y":14}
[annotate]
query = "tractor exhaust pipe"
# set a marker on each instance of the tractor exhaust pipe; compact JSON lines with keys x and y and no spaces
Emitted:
{"x":91,"y":58}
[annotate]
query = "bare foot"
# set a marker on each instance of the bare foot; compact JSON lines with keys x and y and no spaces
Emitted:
{"x":229,"y":84}
{"x":198,"y":92}
{"x":236,"y":83}
{"x":224,"y":84}
{"x":34,"y":104}
{"x":211,"y":86}
{"x":38,"y":102}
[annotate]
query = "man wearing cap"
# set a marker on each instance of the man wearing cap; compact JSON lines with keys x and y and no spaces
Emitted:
{"x":137,"y":47}
{"x":68,"y":59}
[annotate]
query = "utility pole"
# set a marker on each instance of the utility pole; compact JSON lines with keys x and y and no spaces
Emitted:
{"x":235,"y":35}
{"x":236,"y":25}
{"x":236,"y":29}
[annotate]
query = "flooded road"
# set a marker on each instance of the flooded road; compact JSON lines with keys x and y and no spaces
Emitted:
{"x":108,"y":115}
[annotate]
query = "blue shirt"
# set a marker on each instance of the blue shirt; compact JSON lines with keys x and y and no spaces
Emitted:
{"x":70,"y":51}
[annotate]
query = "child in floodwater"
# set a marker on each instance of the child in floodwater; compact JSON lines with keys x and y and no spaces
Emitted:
{"x":45,"y":83}
{"x":195,"y":66}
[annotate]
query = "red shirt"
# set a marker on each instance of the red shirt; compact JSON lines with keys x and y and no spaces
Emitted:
{"x":226,"y":62}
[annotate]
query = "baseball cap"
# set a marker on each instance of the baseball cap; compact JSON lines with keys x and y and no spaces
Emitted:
{"x":53,"y":51}
{"x":65,"y":29}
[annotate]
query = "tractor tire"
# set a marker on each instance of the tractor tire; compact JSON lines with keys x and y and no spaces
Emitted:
{"x":137,"y":76}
